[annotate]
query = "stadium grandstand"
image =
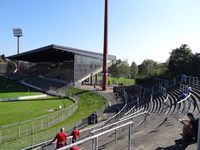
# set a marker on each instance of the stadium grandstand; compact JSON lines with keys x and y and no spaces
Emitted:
{"x":60,"y":64}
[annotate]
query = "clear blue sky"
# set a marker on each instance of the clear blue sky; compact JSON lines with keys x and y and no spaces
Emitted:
{"x":138,"y":29}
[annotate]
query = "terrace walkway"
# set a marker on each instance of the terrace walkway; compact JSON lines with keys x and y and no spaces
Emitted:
{"x":162,"y":131}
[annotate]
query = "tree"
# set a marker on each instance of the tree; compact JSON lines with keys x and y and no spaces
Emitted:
{"x":120,"y":69}
{"x":179,"y":60}
{"x":194,"y":65}
{"x":147,"y":67}
{"x":133,"y":70}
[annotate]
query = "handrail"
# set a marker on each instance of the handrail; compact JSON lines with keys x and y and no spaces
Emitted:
{"x":115,"y":114}
{"x":120,"y":121}
{"x":198,"y":136}
{"x":167,"y":98}
{"x":106,"y":121}
{"x":135,"y":115}
{"x":129,"y":111}
{"x":95,"y":136}
{"x":184,"y":99}
{"x":40,"y":145}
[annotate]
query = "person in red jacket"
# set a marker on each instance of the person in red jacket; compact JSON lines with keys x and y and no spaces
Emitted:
{"x":75,"y":133}
{"x":74,"y":148}
{"x":61,"y":138}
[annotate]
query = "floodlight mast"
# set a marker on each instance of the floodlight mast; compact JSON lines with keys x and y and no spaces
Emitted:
{"x":105,"y":51}
{"x":17,"y":32}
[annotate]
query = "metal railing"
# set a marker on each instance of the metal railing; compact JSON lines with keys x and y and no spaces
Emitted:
{"x":165,"y":102}
{"x":95,"y":137}
{"x":198,"y":136}
{"x":160,"y":81}
{"x":184,"y":107}
{"x":29,"y":127}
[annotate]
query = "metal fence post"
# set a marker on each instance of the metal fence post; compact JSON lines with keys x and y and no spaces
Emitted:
{"x":145,"y":120}
{"x":19,"y":130}
{"x":33,"y":128}
{"x":184,"y":107}
{"x":198,"y":136}
{"x":115,"y":136}
{"x":41,"y":123}
{"x":48,"y":122}
{"x":177,"y":105}
{"x":129,"y":137}
{"x":0,"y":135}
{"x":96,"y":143}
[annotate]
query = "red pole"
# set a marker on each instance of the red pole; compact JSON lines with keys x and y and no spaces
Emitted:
{"x":105,"y":48}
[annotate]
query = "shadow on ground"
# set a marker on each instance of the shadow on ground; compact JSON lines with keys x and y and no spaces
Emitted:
{"x":180,"y":144}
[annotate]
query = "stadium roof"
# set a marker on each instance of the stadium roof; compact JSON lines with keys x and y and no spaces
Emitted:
{"x":54,"y":53}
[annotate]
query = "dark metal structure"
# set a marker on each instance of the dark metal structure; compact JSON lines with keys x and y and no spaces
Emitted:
{"x":81,"y":64}
{"x":105,"y":51}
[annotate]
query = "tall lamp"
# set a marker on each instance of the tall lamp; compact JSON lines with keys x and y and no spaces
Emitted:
{"x":17,"y":32}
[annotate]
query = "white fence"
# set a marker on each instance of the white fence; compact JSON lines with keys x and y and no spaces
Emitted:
{"x":25,"y":128}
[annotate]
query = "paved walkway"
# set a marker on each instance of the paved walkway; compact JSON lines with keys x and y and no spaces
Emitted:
{"x":161,"y":133}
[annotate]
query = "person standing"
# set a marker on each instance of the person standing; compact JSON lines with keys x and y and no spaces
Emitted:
{"x":188,"y":126}
{"x":61,"y":138}
{"x":74,"y":148}
{"x":75,"y":133}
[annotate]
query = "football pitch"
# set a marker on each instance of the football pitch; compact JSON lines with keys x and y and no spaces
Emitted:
{"x":21,"y":110}
{"x":11,"y":89}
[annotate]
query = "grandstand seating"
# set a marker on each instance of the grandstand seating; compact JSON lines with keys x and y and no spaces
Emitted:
{"x":162,"y":128}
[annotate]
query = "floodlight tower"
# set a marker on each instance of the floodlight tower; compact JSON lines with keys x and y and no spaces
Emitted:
{"x":17,"y":32}
{"x":105,"y":48}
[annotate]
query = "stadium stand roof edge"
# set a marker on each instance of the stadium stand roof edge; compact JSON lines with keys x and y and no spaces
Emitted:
{"x":55,"y":52}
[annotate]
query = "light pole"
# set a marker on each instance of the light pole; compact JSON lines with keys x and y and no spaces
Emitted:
{"x":17,"y":32}
{"x":105,"y":48}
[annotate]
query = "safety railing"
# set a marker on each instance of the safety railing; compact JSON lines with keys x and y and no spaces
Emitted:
{"x":29,"y":127}
{"x":165,"y":102}
{"x":95,"y":137}
{"x":198,"y":136}
{"x":191,"y":80}
{"x":133,"y":116}
{"x":184,"y":107}
{"x":128,"y":112}
{"x":162,"y":90}
{"x":127,"y":115}
{"x":160,"y":81}
{"x":118,"y":122}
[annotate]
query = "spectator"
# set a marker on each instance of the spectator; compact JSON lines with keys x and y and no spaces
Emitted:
{"x":61,"y":138}
{"x":182,"y":96}
{"x":189,"y":90}
{"x":74,"y":147}
{"x":94,"y":117}
{"x":75,"y":133}
{"x":188,"y":126}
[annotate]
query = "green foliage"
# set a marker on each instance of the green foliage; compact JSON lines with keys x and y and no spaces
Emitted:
{"x":143,"y":80}
{"x":120,"y":80}
{"x":194,"y":65}
{"x":180,"y":60}
{"x":120,"y":69}
{"x":133,"y":70}
{"x":150,"y":68}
